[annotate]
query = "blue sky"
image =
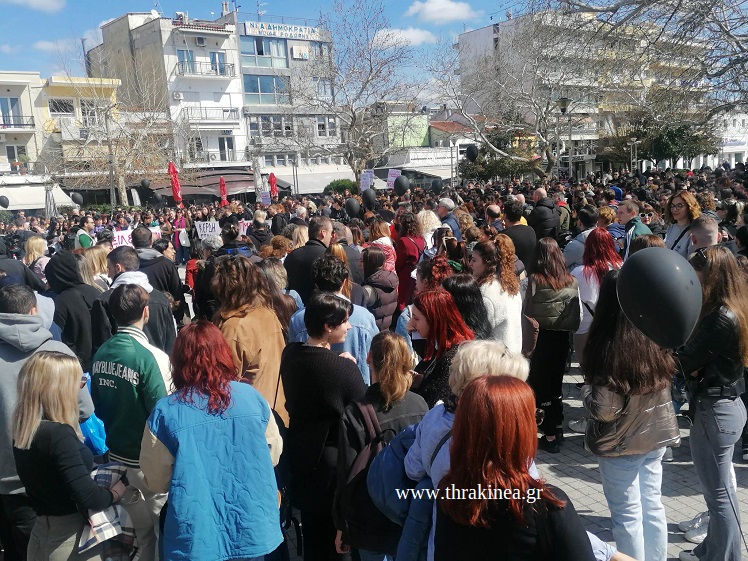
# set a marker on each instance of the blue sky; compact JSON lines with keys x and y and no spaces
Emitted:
{"x":44,"y":35}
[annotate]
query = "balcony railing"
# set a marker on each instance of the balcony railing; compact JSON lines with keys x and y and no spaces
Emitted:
{"x":211,"y":113}
{"x":16,"y":122}
{"x":213,"y":157}
{"x":192,"y":68}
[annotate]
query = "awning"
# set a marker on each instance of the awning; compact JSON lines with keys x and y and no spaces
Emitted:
{"x":435,"y":172}
{"x":32,"y":197}
{"x":314,"y":179}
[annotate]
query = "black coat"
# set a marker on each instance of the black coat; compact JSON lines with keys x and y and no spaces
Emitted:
{"x":298,"y":265}
{"x":381,"y":297}
{"x":354,"y":262}
{"x":260,"y":238}
{"x":160,"y":329}
{"x":524,"y":239}
{"x":545,"y":219}
{"x":73,"y":302}
{"x":161,"y":272}
{"x":18,"y":273}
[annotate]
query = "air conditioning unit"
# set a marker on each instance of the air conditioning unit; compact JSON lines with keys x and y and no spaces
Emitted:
{"x":178,"y":96}
{"x":2,"y":138}
{"x":226,"y":132}
{"x":214,"y":157}
{"x":246,"y":111}
{"x":200,"y":41}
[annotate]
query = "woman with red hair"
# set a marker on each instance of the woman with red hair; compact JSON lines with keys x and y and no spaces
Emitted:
{"x":600,"y":256}
{"x":516,"y":516}
{"x":436,"y":318}
{"x":200,"y":444}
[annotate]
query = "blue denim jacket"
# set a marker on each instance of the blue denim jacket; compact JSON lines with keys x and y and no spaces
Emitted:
{"x":357,"y":342}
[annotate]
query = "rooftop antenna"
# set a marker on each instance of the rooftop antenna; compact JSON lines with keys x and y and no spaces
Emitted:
{"x":157,"y":8}
{"x":260,"y":12}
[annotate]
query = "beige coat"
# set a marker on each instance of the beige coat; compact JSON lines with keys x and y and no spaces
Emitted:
{"x":255,"y":338}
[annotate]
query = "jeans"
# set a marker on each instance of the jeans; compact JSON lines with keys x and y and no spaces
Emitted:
{"x":632,"y":487}
{"x":55,"y":538}
{"x":365,"y":555}
{"x":182,"y":255}
{"x":717,"y":426}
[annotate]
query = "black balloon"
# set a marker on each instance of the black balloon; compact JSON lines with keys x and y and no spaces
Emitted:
{"x":145,"y":183}
{"x":660,"y":294}
{"x":401,"y":185}
{"x":77,"y":198}
{"x":472,"y":152}
{"x":352,"y":207}
{"x":4,"y":202}
{"x":158,"y":197}
{"x":436,"y":185}
{"x":370,"y":198}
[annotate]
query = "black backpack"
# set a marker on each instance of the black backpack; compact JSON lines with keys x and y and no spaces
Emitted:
{"x":68,"y":242}
{"x":361,"y":517}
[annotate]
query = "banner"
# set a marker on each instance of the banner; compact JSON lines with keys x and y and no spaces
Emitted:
{"x":207,"y":228}
{"x":391,"y":176}
{"x":367,"y":179}
{"x":124,"y":237}
{"x":265,"y":198}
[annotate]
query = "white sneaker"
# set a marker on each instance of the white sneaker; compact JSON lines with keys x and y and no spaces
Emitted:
{"x":697,"y":534}
{"x":579,"y":426}
{"x":687,"y":556}
{"x":698,"y":520}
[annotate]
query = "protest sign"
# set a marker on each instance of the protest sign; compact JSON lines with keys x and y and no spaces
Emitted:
{"x":391,"y":176}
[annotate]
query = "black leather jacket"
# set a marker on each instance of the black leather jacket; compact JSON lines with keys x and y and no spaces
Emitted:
{"x":713,"y":352}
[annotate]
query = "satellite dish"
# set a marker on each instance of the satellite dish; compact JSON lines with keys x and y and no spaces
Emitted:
{"x":155,"y":14}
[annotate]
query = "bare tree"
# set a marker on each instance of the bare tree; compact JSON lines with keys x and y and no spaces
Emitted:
{"x":354,"y":81}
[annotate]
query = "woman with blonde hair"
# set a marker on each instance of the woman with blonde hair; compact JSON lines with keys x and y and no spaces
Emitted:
{"x":36,"y":256}
{"x":428,"y":221}
{"x":300,"y":237}
{"x":379,"y":235}
{"x":53,"y":463}
{"x":96,"y":260}
{"x":390,"y":403}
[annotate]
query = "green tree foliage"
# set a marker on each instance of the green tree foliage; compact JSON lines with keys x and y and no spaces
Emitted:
{"x":340,"y":185}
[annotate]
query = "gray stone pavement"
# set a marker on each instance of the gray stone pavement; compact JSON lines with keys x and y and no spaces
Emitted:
{"x":576,"y":472}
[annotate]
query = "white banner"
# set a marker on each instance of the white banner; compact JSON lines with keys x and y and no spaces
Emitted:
{"x":391,"y":176}
{"x":367,"y":179}
{"x":124,"y":237}
{"x":207,"y":228}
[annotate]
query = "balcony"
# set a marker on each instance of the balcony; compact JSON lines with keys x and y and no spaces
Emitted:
{"x":206,"y":69}
{"x":213,"y":157}
{"x":21,"y":122}
{"x":211,"y":114}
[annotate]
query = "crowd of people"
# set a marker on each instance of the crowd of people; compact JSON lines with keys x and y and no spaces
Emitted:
{"x":313,"y":360}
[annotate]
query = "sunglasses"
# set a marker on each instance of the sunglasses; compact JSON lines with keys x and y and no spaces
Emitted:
{"x":646,"y":214}
{"x":677,"y":206}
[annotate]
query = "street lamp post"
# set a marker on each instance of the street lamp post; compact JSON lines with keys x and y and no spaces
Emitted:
{"x":563,"y":105}
{"x":110,"y":159}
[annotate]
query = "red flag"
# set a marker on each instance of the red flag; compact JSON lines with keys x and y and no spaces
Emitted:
{"x":224,"y":196}
{"x":273,"y":185}
{"x":176,"y":188}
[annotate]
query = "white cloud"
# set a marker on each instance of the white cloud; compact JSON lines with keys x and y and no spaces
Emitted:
{"x":49,"y":6}
{"x":410,"y":36}
{"x":93,"y":36}
{"x":59,"y":46}
{"x":441,"y":11}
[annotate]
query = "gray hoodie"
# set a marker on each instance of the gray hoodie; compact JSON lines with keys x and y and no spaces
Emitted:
{"x":20,"y":337}
{"x":574,"y":250}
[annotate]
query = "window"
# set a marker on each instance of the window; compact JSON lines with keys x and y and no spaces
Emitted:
{"x":10,"y":111}
{"x":15,"y":153}
{"x":280,"y":160}
{"x":326,"y":126}
{"x":89,"y":115}
{"x":218,"y":62}
{"x":269,"y":160}
{"x":61,"y":107}
{"x":186,"y":64}
{"x":195,"y":148}
{"x":264,"y":52}
{"x":319,"y":50}
{"x":324,"y":87}
{"x":265,"y":90}
{"x":270,"y":125}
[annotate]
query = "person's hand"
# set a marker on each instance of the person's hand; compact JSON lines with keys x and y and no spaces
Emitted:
{"x":118,"y":490}
{"x":349,"y":356}
{"x":341,"y":547}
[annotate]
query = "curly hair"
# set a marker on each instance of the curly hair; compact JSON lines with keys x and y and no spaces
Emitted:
{"x":692,"y":206}
{"x":238,"y":282}
{"x":408,"y":225}
{"x":433,"y":271}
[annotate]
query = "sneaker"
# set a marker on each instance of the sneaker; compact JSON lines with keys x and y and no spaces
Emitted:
{"x":579,"y":426}
{"x":550,"y":446}
{"x":697,"y":534}
{"x":696,"y":521}
{"x":687,"y":556}
{"x":560,"y":438}
{"x":668,"y":456}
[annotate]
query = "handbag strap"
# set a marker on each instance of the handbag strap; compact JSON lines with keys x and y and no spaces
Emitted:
{"x":442,"y":442}
{"x":528,"y":296}
{"x":683,"y":233}
{"x":590,"y":310}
